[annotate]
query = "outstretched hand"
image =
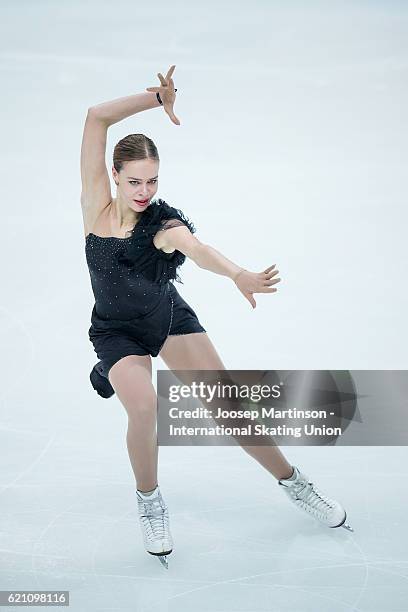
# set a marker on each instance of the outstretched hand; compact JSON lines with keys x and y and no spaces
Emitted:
{"x":251,"y":282}
{"x":167,"y":93}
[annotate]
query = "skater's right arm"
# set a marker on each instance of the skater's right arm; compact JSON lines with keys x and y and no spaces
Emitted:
{"x":96,"y":189}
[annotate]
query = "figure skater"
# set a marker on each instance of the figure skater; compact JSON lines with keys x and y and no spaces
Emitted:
{"x":134,"y":246}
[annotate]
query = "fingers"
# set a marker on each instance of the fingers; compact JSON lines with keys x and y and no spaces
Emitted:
{"x":250,"y":299}
{"x":172,"y":116}
{"x":271,"y":275}
{"x":265,"y":287}
{"x":170,"y":72}
{"x":272,"y":282}
{"x":267,"y":274}
{"x":162,"y":81}
{"x":167,"y":80}
{"x":265,"y":277}
{"x":269,"y":269}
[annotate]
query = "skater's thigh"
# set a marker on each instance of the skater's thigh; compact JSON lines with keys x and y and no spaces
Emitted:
{"x":131,"y":378}
{"x":194,"y":352}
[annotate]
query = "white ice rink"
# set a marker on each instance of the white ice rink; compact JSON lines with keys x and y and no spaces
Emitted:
{"x":291,"y":150}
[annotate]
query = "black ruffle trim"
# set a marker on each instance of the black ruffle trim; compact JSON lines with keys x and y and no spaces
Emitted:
{"x":141,"y":254}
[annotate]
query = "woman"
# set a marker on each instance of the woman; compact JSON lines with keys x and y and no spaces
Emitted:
{"x":134,"y":246}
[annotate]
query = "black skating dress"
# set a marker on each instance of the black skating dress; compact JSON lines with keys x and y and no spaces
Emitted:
{"x":136,"y":303}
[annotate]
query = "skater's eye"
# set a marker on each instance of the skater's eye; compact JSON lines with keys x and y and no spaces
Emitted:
{"x":152,"y":181}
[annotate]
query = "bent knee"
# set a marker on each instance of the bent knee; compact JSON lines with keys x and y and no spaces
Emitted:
{"x":131,"y":378}
{"x":130,"y":367}
{"x":141,"y":414}
{"x":139,"y":401}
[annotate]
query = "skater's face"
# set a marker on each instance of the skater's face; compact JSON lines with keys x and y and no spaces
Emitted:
{"x":138,"y":181}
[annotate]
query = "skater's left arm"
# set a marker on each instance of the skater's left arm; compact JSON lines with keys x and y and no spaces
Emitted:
{"x":208,"y":258}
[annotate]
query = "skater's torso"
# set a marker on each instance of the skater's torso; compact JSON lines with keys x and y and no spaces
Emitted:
{"x":120,"y":292}
{"x":130,"y":275}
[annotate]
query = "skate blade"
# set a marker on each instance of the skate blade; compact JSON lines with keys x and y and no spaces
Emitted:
{"x":162,"y":558}
{"x":348,"y":527}
{"x":163,"y":561}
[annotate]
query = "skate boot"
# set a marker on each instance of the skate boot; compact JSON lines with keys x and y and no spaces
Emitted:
{"x":306,"y":496}
{"x":154,"y":523}
{"x":100,"y":381}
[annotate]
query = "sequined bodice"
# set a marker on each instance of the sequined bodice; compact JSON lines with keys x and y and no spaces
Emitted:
{"x":130,"y":277}
{"x":120,"y":292}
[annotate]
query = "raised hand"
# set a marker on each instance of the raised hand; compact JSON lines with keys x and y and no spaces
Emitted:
{"x":167,"y":93}
{"x":252,"y":282}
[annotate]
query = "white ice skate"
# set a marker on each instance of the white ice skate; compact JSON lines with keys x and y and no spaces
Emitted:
{"x":155,"y":526}
{"x":306,"y":496}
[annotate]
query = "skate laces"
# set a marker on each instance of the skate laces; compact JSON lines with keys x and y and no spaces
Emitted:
{"x":153,"y":514}
{"x":310,"y":498}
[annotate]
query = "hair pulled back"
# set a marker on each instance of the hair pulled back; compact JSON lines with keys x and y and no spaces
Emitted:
{"x":134,"y":147}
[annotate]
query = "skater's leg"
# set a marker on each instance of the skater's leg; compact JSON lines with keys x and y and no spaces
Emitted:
{"x":131,"y":378}
{"x":196,"y":352}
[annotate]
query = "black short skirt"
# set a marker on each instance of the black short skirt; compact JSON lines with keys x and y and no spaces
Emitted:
{"x":113,"y":340}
